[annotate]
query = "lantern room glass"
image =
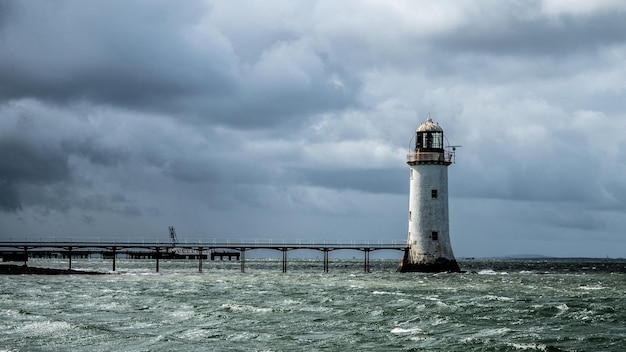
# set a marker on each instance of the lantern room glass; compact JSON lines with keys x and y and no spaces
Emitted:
{"x":429,"y":141}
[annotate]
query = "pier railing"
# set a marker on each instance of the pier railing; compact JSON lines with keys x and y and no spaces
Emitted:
{"x":21,"y":250}
{"x":60,"y":242}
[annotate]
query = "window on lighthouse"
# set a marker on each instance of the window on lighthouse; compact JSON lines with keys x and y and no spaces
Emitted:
{"x":433,"y":193}
{"x":437,"y":140}
{"x":435,"y":236}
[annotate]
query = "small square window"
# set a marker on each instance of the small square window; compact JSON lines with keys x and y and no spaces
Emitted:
{"x":435,"y":236}
{"x":433,"y":193}
{"x":410,"y":215}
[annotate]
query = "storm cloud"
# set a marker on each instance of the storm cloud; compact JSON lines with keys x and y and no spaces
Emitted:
{"x":292,"y":120}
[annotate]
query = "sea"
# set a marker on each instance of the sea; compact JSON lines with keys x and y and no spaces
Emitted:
{"x":495,"y":305}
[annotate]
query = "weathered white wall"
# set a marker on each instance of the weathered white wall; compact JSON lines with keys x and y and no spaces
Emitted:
{"x":428,"y":214}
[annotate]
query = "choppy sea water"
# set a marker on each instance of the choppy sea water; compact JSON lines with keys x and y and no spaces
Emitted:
{"x":504,"y":305}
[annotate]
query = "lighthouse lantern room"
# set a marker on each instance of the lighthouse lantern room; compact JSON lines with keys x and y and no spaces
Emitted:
{"x":428,"y":243}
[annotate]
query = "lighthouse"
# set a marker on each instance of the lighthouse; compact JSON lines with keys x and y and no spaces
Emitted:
{"x":428,"y":243}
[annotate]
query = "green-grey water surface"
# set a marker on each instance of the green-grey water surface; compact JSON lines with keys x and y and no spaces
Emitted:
{"x":498,"y":305}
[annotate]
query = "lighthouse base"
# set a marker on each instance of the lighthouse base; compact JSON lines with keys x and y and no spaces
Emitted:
{"x":437,"y":265}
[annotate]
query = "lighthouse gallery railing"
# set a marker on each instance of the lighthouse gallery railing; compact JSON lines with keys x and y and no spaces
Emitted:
{"x":431,"y":156}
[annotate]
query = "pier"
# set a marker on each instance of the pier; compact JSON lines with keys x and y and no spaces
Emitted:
{"x":201,"y":250}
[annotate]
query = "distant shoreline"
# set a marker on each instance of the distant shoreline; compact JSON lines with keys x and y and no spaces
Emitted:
{"x":12,"y":269}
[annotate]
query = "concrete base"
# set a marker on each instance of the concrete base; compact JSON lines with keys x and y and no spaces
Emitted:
{"x":437,"y":266}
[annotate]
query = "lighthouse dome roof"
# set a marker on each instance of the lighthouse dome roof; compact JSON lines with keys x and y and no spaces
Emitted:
{"x":429,"y":126}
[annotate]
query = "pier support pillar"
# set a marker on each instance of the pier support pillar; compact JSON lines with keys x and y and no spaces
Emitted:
{"x":366,"y":265}
{"x":157,"y":255}
{"x":114,"y":256}
{"x":284,"y":260}
{"x":200,"y":259}
{"x":69,"y":255}
{"x":242,"y":260}
{"x":325,"y":260}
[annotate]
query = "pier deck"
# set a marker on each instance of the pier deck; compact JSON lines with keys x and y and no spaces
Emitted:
{"x":22,"y":250}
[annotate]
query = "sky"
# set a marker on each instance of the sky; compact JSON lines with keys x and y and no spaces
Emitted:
{"x":291,"y":120}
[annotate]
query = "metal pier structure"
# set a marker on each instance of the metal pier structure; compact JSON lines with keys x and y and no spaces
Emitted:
{"x":21,"y":251}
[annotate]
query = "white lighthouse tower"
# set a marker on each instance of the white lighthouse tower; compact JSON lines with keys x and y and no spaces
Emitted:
{"x":428,"y":243}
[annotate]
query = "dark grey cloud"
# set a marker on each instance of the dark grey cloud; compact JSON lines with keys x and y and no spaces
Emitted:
{"x":115,"y":203}
{"x":29,"y":162}
{"x":383,"y":180}
{"x":161,"y":59}
{"x":293,"y":119}
{"x":25,"y":162}
{"x":90,"y":149}
{"x":112,"y":53}
{"x":191,"y":171}
{"x":550,"y":178}
{"x":88,"y":219}
{"x":9,"y":197}
{"x":535,"y":36}
{"x":48,"y":164}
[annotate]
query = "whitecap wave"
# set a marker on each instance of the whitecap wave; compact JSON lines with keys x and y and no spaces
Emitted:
{"x":528,"y":346}
{"x":492,"y":272}
{"x":414,"y":330}
{"x":246,"y":308}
